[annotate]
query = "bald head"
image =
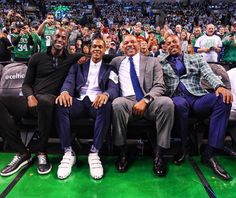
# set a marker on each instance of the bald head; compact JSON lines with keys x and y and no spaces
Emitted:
{"x":210,"y":29}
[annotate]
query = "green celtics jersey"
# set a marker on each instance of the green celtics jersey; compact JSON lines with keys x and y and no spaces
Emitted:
{"x":46,"y":38}
{"x":159,"y":37}
{"x":23,"y":50}
{"x":37,"y":42}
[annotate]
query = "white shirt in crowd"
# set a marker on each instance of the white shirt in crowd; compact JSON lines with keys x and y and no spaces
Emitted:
{"x":232,"y":77}
{"x":184,"y":46}
{"x":205,"y":41}
{"x":91,"y":88}
{"x":107,"y":51}
{"x":124,"y":75}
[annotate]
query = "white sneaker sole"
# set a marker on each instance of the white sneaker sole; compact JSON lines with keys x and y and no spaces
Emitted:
{"x":66,"y":176}
{"x":96,"y":178}
{"x":17,"y":169}
{"x":95,"y":174}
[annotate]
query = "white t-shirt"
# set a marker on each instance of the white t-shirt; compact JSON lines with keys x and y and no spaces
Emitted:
{"x":205,"y":41}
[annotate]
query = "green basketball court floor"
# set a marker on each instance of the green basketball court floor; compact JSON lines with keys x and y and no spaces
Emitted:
{"x":139,"y":182}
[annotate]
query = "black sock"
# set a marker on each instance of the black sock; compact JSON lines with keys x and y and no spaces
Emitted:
{"x":122,"y":150}
{"x":159,"y":151}
{"x":209,"y":152}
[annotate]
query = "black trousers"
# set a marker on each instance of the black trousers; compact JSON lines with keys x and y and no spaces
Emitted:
{"x":17,"y":106}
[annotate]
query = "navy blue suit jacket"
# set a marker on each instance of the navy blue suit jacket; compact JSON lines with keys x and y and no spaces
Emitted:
{"x":78,"y":74}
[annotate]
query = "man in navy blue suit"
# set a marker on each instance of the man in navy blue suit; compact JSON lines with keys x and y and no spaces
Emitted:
{"x":87,"y":91}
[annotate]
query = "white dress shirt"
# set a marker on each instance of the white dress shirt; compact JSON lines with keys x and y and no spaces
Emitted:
{"x":124,"y":75}
{"x":91,"y":88}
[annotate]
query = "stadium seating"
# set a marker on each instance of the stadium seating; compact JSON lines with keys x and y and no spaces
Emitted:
{"x":138,"y":130}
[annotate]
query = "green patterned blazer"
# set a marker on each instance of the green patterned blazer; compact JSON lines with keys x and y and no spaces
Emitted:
{"x":196,"y":70}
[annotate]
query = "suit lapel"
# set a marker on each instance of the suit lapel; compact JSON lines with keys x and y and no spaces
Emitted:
{"x":170,"y":68}
{"x":102,"y":72}
{"x":187,"y":63}
{"x":119,"y":62}
{"x":85,"y":70}
{"x":166,"y":66}
{"x":142,"y":68}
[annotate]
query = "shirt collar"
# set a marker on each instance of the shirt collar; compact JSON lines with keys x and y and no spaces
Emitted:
{"x":64,"y":53}
{"x":172,"y":58}
{"x":95,"y":64}
{"x":136,"y":57}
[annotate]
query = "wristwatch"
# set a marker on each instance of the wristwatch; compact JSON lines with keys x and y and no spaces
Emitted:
{"x":148,"y":99}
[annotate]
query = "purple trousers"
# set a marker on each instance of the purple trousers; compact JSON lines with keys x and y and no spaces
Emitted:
{"x":208,"y":105}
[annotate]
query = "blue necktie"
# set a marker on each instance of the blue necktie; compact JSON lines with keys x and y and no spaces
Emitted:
{"x":179,"y":67}
{"x":135,"y":82}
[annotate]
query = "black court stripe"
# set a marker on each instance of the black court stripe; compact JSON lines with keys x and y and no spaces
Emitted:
{"x":202,"y":178}
{"x":15,"y":181}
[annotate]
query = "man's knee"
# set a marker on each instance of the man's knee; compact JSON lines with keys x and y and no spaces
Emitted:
{"x":221,"y":104}
{"x":165,"y":104}
{"x":106,"y":108}
{"x":46,"y":100}
{"x":60,"y":109}
{"x":118,"y":104}
{"x":108,"y":105}
{"x":181,"y":105}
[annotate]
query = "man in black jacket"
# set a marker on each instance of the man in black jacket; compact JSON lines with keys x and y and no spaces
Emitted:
{"x":45,"y":76}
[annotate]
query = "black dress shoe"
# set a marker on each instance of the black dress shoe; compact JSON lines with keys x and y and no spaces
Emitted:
{"x":179,"y":157}
{"x":159,"y":166}
{"x":229,"y":151}
{"x":215,"y":166}
{"x":122,"y":163}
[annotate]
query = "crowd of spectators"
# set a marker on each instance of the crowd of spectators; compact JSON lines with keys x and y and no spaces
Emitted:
{"x":149,"y":22}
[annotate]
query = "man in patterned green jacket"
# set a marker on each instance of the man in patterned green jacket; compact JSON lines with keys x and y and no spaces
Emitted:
{"x":182,"y":76}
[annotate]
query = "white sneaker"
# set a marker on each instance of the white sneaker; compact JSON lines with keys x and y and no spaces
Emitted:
{"x":64,"y":169}
{"x":95,"y":165}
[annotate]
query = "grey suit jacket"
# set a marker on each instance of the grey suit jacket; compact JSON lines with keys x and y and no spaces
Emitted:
{"x":150,"y":75}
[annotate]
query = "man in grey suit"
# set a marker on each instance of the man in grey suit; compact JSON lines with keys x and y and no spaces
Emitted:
{"x":142,"y":87}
